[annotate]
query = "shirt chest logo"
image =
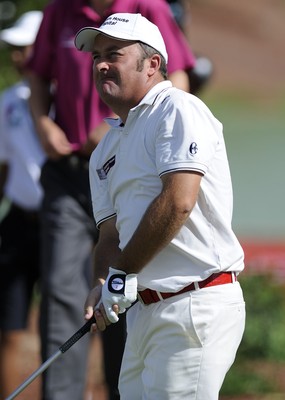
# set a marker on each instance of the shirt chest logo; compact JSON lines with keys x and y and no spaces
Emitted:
{"x":103,"y":172}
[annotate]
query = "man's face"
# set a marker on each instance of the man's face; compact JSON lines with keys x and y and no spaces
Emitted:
{"x":118,"y":73}
{"x":19,"y":56}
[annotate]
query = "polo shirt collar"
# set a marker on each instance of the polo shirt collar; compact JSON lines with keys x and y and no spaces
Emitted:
{"x":113,"y":122}
{"x":149,"y":99}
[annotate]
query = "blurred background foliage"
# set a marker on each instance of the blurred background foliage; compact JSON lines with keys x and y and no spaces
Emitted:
{"x":9,"y":12}
{"x":259,"y":368}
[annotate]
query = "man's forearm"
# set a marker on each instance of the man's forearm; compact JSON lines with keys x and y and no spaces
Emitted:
{"x":162,"y":221}
{"x":107,"y":249}
{"x":104,"y":256}
{"x":40,"y":99}
{"x":155,"y":231}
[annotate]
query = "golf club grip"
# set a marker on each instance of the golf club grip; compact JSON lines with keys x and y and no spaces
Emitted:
{"x":81,"y":332}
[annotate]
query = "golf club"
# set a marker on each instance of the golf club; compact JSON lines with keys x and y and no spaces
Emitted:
{"x":62,"y":349}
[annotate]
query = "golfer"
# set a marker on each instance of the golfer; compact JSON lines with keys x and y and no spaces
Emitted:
{"x":162,"y":199}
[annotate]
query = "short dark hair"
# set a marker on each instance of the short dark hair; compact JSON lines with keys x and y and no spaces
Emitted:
{"x":147,"y":52}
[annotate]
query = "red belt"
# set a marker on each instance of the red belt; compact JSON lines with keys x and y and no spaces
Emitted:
{"x":149,"y":296}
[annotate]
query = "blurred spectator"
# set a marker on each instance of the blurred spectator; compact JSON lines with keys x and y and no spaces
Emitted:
{"x":21,"y":157}
{"x":68,"y":227}
{"x":202,"y":72}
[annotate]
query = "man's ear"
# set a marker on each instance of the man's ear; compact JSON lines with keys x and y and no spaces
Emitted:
{"x":154,"y":64}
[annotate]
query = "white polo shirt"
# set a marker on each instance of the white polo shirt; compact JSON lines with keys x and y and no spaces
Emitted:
{"x":20,"y":148}
{"x":170,"y":130}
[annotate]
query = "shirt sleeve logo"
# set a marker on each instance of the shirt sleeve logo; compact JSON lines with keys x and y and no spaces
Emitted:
{"x":193,"y":148}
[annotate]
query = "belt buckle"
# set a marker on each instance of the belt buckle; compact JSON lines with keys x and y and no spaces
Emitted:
{"x":159,"y":295}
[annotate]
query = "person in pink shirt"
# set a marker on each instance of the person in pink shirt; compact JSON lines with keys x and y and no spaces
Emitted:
{"x":62,"y":85}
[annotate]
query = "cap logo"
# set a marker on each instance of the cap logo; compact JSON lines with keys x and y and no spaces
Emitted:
{"x":113,"y":20}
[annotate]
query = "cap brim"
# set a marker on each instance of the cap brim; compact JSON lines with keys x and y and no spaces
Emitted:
{"x":16,"y":37}
{"x":84,"y":40}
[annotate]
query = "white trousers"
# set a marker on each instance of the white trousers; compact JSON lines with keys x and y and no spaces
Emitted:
{"x":181,"y":348}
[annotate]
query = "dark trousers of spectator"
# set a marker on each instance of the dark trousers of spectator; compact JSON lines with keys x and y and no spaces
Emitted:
{"x":19,"y":262}
{"x":68,"y":238}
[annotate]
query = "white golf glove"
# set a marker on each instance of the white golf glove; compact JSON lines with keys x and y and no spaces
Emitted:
{"x":119,"y":288}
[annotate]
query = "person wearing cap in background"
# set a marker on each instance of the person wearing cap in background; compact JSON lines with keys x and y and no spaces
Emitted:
{"x":162,"y":199}
{"x":21,"y":158}
{"x":69,"y":231}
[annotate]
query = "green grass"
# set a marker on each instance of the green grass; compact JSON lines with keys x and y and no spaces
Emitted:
{"x":259,"y":367}
{"x":242,"y":380}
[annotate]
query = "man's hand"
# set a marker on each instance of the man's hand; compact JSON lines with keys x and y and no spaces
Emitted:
{"x":119,"y":289}
{"x":53,"y":139}
{"x":94,"y":306}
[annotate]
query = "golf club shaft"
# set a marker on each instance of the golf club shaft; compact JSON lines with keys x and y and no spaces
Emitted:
{"x":34,"y":375}
{"x":63,"y":348}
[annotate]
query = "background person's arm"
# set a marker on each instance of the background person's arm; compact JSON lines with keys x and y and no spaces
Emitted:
{"x":94,"y":138}
{"x":3,"y":178}
{"x":180,"y":80}
{"x":52,"y":137}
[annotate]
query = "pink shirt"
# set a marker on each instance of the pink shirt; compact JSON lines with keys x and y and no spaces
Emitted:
{"x":78,"y":108}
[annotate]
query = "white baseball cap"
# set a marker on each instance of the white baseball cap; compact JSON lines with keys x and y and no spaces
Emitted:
{"x":123,"y":26}
{"x":24,"y":30}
